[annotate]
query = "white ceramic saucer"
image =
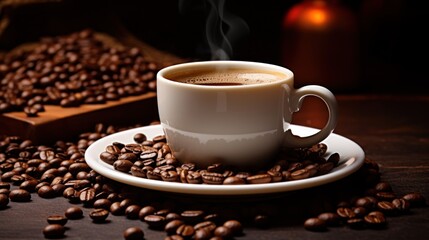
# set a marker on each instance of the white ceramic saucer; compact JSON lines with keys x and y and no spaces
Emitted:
{"x":351,"y":159}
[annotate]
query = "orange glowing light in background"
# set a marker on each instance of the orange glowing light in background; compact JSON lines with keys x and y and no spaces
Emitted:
{"x":309,"y":14}
{"x":317,"y":16}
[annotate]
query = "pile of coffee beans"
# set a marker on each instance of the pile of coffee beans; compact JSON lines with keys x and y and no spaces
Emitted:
{"x":70,"y":70}
{"x":60,"y":171}
{"x":153,"y":159}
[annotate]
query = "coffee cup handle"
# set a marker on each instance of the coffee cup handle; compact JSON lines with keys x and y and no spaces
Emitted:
{"x":296,"y":97}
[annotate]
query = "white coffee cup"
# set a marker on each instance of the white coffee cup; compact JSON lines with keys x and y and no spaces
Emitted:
{"x":242,"y":126}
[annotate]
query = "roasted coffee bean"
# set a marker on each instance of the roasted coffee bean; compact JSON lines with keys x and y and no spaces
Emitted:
{"x":155,"y":221}
{"x":346,"y":213}
{"x":262,"y":221}
{"x":145,"y":211}
{"x":123,"y":165}
{"x":19,"y":195}
{"x":258,"y":179}
{"x":360,"y":211}
{"x":102,"y":203}
{"x":366,"y":202}
{"x":79,"y":184}
{"x":235,"y":226}
{"x":169,"y":176}
{"x":46,"y":192}
{"x":172,"y":216}
{"x":108,"y":157}
{"x":74,"y":168}
{"x":315,"y":224}
{"x":29,"y":185}
{"x":71,"y":194}
{"x":4,"y":200}
{"x":162,"y":212}
{"x":57,"y":219}
{"x":194,"y":177}
{"x":208,"y":225}
{"x":385,"y":196}
{"x":386,"y":207}
{"x":74,"y":213}
{"x":202,"y":234}
{"x":149,"y":154}
{"x":4,"y":191}
{"x":300,"y":174}
{"x":375,"y":219}
{"x":415,"y":199}
{"x":212,"y":178}
{"x":132,"y":211}
{"x":192,"y":216}
{"x":116,"y":209}
{"x":54,"y":231}
{"x":139,"y":137}
{"x":87,"y":196}
{"x":17,"y":179}
{"x":171,"y":227}
{"x":331,"y":219}
{"x":402,"y":205}
{"x":159,"y":138}
{"x":186,"y":231}
{"x":128,"y":156}
{"x":275,"y":176}
{"x":133,"y":233}
{"x":99,"y":215}
{"x":383,"y":187}
{"x":233,"y":180}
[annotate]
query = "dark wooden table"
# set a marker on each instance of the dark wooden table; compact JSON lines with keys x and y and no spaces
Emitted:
{"x":393,"y":131}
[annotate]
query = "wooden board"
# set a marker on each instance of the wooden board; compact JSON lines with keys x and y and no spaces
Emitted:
{"x":58,"y":123}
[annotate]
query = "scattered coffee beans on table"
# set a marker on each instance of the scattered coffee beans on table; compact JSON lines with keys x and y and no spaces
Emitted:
{"x":366,"y":203}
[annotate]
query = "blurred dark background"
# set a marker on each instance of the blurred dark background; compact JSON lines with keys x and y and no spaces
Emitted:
{"x":374,"y":46}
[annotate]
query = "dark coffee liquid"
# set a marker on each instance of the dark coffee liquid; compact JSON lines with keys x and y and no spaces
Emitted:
{"x":221,"y":84}
{"x":226,"y":77}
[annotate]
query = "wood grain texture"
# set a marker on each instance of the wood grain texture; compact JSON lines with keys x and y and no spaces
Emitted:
{"x":64,"y":123}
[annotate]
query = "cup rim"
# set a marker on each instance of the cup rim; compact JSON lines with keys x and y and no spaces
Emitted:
{"x":230,"y":63}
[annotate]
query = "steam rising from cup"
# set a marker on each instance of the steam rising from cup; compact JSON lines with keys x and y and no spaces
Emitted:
{"x":223,"y":29}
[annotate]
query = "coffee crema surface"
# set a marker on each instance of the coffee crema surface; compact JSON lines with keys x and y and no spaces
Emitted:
{"x":226,"y":77}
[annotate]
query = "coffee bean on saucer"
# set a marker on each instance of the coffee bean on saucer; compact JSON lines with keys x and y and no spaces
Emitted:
{"x":139,"y":137}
